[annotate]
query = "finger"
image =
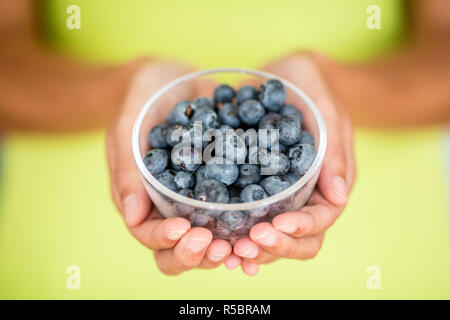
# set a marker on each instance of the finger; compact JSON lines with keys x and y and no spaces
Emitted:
{"x":250,"y":268}
{"x":332,"y":178}
{"x":232,"y":262}
{"x":280,"y":244}
{"x":295,"y":224}
{"x":187,"y":254}
{"x":248,"y":250}
{"x":217,"y":252}
{"x":158,"y":234}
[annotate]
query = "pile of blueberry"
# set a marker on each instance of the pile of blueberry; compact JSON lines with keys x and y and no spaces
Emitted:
{"x":200,"y":151}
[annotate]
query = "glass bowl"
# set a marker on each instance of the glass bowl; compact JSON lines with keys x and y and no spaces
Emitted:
{"x":172,"y":204}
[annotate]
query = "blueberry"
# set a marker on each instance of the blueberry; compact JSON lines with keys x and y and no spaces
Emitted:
{"x":248,"y":174}
{"x":200,"y":173}
{"x":187,"y":193}
{"x":269,"y":121}
{"x":184,"y":180}
{"x":204,"y":102}
{"x":200,"y":219}
{"x":183,"y":209}
{"x":247,"y":93}
{"x":175,"y":134}
{"x":228,"y":114}
{"x":224,"y":93}
{"x":167,"y":178}
{"x":307,"y":138}
{"x":290,"y":130}
{"x":222,"y":170}
{"x":273,"y":95}
{"x":253,"y":192}
{"x":196,"y":131}
{"x":186,"y":157}
{"x":270,"y":140}
{"x":301,"y":157}
{"x":292,"y":177}
{"x":250,"y":112}
{"x":182,"y":113}
{"x":156,"y":161}
{"x":224,"y":127}
{"x":157,"y":136}
{"x":278,"y":164}
{"x":234,"y":148}
{"x":275,"y":184}
{"x":233,"y":219}
{"x":207,"y":116}
{"x":289,"y":109}
{"x":211,"y":190}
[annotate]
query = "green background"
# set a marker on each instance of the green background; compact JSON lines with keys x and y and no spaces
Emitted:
{"x":55,"y":206}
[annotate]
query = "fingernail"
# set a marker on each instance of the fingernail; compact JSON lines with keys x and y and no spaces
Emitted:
{"x":175,"y":234}
{"x":267,"y":238}
{"x":286,"y":228}
{"x":196,"y":244}
{"x":130,"y":207}
{"x":216,"y":256}
{"x":251,"y":253}
{"x":340,"y":188}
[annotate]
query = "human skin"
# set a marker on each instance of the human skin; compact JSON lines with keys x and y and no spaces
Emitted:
{"x":407,"y":88}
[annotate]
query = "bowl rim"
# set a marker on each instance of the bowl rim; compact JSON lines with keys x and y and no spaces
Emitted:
{"x":315,"y":167}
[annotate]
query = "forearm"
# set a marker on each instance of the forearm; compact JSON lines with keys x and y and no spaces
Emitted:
{"x":407,"y":88}
{"x":42,"y":90}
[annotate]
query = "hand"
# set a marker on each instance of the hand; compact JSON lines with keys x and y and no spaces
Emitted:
{"x":299,"y":234}
{"x":177,"y":247}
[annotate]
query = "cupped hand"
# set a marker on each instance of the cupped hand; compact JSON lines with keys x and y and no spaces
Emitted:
{"x":299,"y":235}
{"x":177,"y":247}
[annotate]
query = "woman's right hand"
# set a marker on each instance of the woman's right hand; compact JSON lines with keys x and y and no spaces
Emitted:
{"x":177,"y":247}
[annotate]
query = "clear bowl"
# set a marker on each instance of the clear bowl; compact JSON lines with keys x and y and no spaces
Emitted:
{"x":172,"y":204}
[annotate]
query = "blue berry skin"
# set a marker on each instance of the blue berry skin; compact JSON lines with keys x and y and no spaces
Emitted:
{"x":224,"y":127}
{"x":205,"y":102}
{"x":207,"y":116}
{"x":269,"y":121}
{"x":211,"y":190}
{"x":275,"y":184}
{"x":289,"y":109}
{"x":228,"y":114}
{"x":167,"y":178}
{"x":307,"y":138}
{"x":156,"y":161}
{"x":253,"y":192}
{"x":222,"y":170}
{"x":182,"y":113}
{"x":200,"y":173}
{"x":279,"y":167}
{"x":250,"y":112}
{"x":186,"y":157}
{"x":292,"y":177}
{"x":224,"y":93}
{"x":290,"y":130}
{"x":301,"y":157}
{"x":187,"y":193}
{"x":184,"y":180}
{"x":233,"y":220}
{"x":248,"y":174}
{"x":273,"y":95}
{"x":157,"y":136}
{"x":174,"y":134}
{"x":247,"y":93}
{"x":200,"y":219}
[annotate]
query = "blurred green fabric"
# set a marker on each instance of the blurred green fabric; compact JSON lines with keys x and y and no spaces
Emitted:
{"x":55,"y":206}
